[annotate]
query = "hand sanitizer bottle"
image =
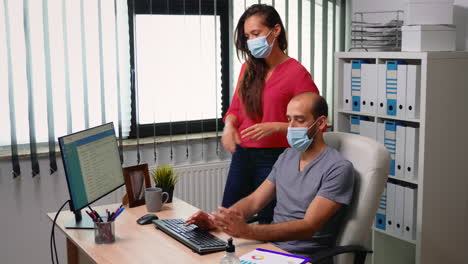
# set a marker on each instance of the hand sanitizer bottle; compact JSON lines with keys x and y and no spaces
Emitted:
{"x":230,"y":256}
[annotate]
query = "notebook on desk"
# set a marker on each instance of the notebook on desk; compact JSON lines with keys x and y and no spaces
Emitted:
{"x":263,"y":256}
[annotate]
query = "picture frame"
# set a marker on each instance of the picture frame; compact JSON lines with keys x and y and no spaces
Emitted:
{"x":137,"y":179}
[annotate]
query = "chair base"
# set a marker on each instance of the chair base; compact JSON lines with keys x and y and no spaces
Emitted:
{"x":360,"y":254}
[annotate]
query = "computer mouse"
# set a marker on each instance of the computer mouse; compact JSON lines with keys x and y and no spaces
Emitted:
{"x":146,"y":219}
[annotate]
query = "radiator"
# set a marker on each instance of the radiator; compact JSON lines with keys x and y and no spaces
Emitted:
{"x":202,"y":185}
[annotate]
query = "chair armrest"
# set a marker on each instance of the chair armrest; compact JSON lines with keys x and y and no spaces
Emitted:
{"x":359,"y":254}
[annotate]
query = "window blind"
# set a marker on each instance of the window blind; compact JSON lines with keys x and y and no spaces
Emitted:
{"x":65,"y":68}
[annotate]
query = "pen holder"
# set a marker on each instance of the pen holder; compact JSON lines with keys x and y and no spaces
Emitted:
{"x":104,"y":232}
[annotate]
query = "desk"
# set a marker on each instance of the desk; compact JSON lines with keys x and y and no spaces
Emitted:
{"x":143,"y":244}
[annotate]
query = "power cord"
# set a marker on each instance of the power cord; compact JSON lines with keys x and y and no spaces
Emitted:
{"x":53,"y":246}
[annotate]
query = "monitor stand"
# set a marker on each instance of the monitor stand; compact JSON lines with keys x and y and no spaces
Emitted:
{"x":80,"y":222}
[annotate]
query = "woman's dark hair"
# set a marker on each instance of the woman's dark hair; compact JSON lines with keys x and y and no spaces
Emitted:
{"x":251,"y":87}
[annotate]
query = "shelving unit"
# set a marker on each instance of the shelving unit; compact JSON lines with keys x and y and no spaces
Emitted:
{"x":442,"y":176}
{"x":392,"y":235}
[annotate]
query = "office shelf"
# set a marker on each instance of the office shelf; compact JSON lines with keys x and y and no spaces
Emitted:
{"x":441,"y":176}
{"x":379,"y":116}
{"x":413,"y":181}
{"x":394,"y":236}
{"x":355,"y":113}
{"x":398,"y":119}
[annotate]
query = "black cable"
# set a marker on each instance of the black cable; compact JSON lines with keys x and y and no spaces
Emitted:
{"x":51,"y":249}
{"x":52,"y":243}
{"x":53,"y":231}
{"x":53,"y":246}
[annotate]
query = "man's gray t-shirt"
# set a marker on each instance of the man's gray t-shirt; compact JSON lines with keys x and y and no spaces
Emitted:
{"x":330,"y":176}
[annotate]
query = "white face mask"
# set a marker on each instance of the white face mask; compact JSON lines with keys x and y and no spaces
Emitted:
{"x":259,"y":47}
{"x":298,"y":139}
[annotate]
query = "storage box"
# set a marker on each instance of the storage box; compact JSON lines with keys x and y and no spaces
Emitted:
{"x":428,"y":38}
{"x":432,"y":12}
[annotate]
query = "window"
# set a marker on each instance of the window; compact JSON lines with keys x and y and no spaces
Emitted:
{"x":192,"y":82}
{"x":181,"y":62}
{"x":72,"y":65}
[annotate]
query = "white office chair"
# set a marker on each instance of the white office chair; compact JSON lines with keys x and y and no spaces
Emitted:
{"x":372,"y":163}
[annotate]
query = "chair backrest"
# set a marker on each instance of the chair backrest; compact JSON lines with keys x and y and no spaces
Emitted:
{"x":372,"y":163}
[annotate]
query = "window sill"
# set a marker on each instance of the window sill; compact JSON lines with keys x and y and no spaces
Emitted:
{"x":127,"y":143}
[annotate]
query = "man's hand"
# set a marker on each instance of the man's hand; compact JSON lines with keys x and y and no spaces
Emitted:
{"x":231,"y":222}
{"x":200,"y":219}
{"x":230,"y":138}
{"x":261,"y":130}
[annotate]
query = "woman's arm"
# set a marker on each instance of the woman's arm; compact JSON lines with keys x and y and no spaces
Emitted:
{"x":262,"y":130}
{"x":283,"y":127}
{"x":230,"y":121}
{"x":230,"y":135}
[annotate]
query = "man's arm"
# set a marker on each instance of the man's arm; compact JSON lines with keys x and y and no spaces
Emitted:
{"x":336,"y":190}
{"x":318,"y":213}
{"x":255,"y":202}
{"x":245,"y":208}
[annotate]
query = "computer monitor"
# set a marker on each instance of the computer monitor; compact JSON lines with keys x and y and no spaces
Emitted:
{"x":93,"y":169}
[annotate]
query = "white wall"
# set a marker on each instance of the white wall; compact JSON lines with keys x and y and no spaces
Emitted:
{"x":460,"y":15}
{"x":24,"y":201}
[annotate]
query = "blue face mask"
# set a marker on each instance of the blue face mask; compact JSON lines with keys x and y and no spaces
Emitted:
{"x":298,"y":139}
{"x":259,"y":47}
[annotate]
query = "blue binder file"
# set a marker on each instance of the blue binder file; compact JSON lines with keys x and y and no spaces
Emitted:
{"x":390,"y":142}
{"x":355,"y":125}
{"x":356,"y":84}
{"x":391,"y":86}
{"x":381,"y":216}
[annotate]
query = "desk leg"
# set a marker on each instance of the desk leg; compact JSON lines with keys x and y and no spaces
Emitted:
{"x":72,"y":252}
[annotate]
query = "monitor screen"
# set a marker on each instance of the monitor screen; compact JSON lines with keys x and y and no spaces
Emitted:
{"x":92,"y":164}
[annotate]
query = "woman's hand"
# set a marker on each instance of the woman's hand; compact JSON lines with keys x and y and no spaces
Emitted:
{"x":262,"y":130}
{"x":201,"y":219}
{"x":230,"y":138}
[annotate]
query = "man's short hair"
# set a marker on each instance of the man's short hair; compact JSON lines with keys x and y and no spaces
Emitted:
{"x":320,"y":108}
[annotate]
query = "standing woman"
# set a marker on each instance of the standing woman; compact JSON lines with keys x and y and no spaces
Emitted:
{"x":255,"y":124}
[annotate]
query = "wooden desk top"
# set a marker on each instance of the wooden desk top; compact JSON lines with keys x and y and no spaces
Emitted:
{"x":145,"y":244}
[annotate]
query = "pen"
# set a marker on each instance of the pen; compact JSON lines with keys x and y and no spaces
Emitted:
{"x":116,"y":210}
{"x":96,"y":214}
{"x":118,"y":213}
{"x":91,"y":215}
{"x":114,"y":215}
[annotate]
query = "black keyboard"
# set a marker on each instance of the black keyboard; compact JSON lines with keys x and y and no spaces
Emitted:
{"x":197,"y":239}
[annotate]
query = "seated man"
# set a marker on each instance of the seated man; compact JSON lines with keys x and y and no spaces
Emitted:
{"x":312,"y":182}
